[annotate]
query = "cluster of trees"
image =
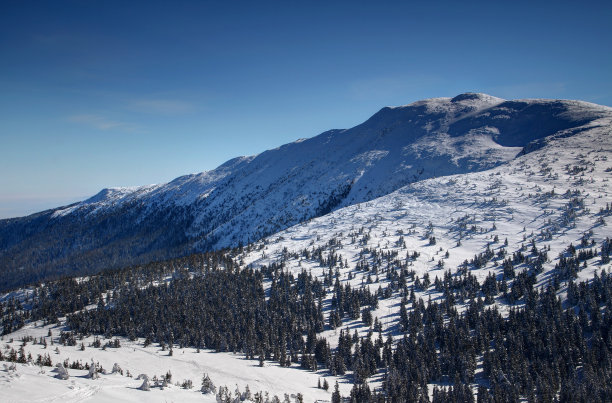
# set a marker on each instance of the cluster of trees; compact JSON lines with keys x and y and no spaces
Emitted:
{"x":57,"y":298}
{"x":542,"y":349}
{"x":539,"y":352}
{"x":227,"y":310}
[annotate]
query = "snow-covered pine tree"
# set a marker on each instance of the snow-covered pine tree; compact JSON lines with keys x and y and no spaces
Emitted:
{"x":207,"y":385}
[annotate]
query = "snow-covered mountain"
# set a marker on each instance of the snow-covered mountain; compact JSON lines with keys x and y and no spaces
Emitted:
{"x":555,"y":196}
{"x":248,"y":198}
{"x":546,"y":200}
{"x":489,"y":241}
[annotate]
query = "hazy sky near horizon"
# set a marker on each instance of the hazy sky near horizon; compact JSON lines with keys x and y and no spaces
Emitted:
{"x":98,"y":94}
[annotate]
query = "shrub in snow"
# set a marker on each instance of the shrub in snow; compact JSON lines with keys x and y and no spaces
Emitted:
{"x":8,"y":368}
{"x":62,"y":372}
{"x":145,"y":385}
{"x":207,"y":385}
{"x":93,"y":371}
{"x":224,"y":395}
{"x":246,"y":395}
{"x":117,"y":369}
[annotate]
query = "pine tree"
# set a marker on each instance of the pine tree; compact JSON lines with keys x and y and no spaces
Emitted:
{"x":336,"y":398}
{"x":207,"y":385}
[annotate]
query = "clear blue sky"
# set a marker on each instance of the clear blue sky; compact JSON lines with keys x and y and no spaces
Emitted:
{"x":97,"y":94}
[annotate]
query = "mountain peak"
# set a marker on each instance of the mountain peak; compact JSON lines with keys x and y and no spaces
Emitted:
{"x":472,"y":96}
{"x":468,"y":101}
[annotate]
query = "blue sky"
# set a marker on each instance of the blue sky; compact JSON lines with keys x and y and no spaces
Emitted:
{"x":97,"y":94}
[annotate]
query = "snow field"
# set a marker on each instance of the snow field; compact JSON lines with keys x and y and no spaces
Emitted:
{"x":27,"y":383}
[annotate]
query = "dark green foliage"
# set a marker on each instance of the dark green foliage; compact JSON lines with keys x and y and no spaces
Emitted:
{"x":544,"y":349}
{"x":220,"y":309}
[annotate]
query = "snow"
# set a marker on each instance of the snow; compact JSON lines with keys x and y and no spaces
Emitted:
{"x":476,"y":189}
{"x":513,"y":201}
{"x":29,"y":383}
{"x":266,"y":193}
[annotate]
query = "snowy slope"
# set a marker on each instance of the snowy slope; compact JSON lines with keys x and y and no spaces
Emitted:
{"x":553,"y":195}
{"x":29,"y":382}
{"x":250,"y":197}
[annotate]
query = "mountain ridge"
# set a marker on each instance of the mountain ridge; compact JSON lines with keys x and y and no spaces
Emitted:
{"x":459,"y":257}
{"x":247,"y":198}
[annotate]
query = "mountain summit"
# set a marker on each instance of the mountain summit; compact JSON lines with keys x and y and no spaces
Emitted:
{"x":247,"y":198}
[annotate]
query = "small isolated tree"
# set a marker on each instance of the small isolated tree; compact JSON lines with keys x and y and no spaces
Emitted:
{"x":246,"y":395}
{"x":145,"y":384}
{"x":93,"y":371}
{"x":336,"y":395}
{"x":62,"y":372}
{"x":117,"y":369}
{"x":207,"y":385}
{"x":224,"y":394}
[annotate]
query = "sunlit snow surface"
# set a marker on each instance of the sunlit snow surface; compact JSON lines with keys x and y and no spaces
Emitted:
{"x":248,"y":197}
{"x":521,"y":200}
{"x":28,"y":384}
